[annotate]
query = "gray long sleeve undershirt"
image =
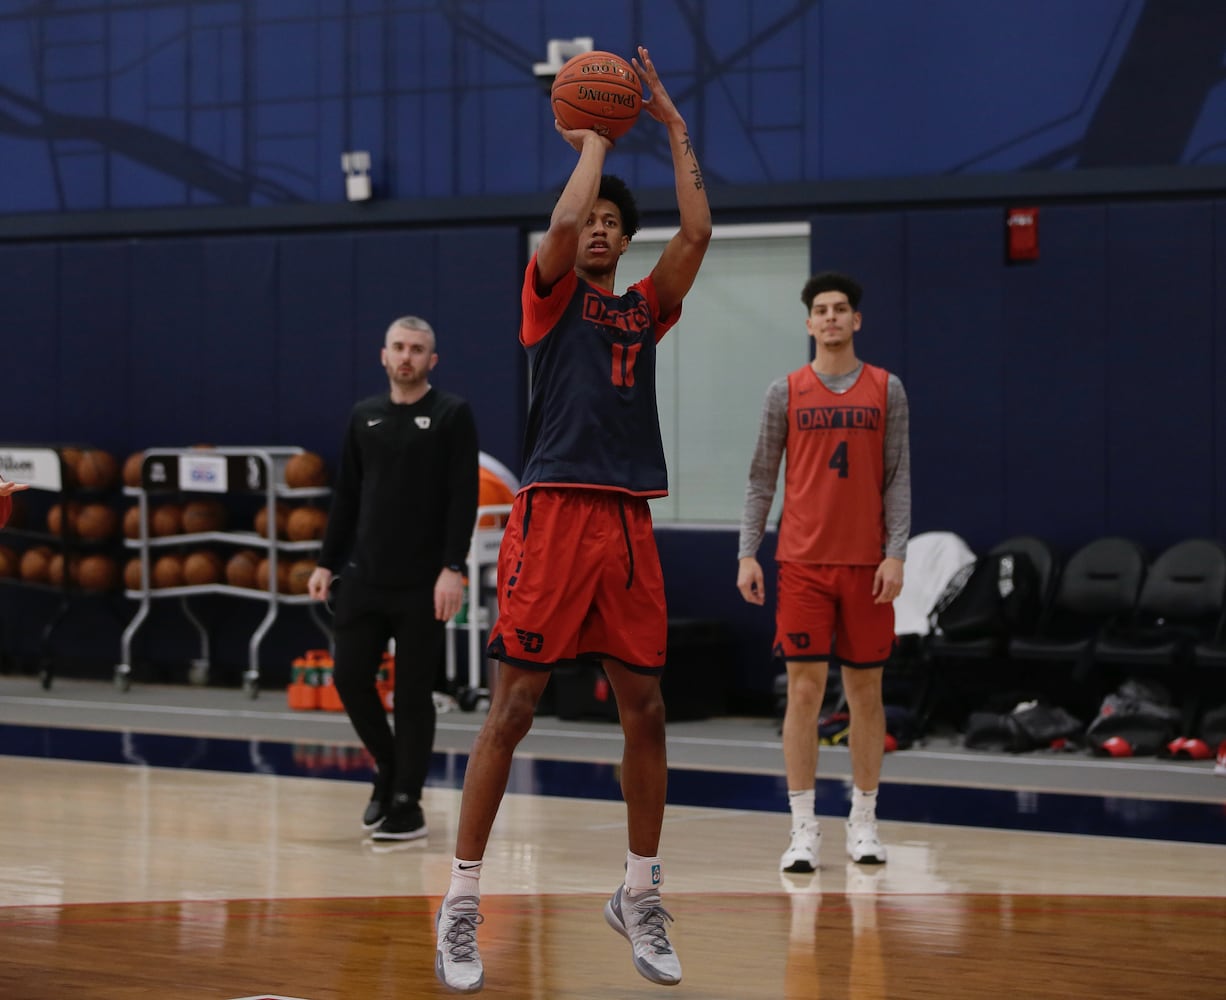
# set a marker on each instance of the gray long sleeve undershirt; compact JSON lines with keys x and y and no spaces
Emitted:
{"x":768,"y":454}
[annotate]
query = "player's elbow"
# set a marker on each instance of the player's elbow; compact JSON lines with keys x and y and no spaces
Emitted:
{"x":697,"y":234}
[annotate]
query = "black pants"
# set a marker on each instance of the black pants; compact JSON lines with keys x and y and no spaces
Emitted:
{"x":365,"y":618}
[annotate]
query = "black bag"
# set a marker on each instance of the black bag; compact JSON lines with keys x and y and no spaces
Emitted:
{"x":996,"y":595}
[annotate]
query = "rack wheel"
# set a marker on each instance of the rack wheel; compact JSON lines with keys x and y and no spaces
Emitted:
{"x":198,"y":672}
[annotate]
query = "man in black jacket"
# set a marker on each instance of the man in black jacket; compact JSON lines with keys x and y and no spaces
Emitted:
{"x":398,"y":533}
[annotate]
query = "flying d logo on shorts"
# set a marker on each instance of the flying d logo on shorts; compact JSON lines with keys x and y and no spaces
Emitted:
{"x":422,"y":422}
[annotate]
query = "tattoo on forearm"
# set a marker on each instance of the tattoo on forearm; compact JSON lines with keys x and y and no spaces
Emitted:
{"x":697,"y":175}
{"x":687,"y":146}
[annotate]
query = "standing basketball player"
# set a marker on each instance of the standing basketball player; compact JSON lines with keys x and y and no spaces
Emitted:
{"x":401,"y":520}
{"x":842,"y":540}
{"x":578,"y":574}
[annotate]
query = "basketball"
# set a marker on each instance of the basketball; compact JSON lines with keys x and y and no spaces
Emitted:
{"x":204,"y":515}
{"x":261,"y":519}
{"x":299,"y":574}
{"x":241,"y":567}
{"x":33,"y":566}
{"x":306,"y":524}
{"x":56,"y":518}
{"x":131,"y":522}
{"x":168,"y":570}
{"x":97,"y":573}
{"x":165,"y":520}
{"x":131,"y":468}
{"x":305,"y":469}
{"x":262,"y":575}
{"x":10,"y":562}
{"x":97,"y":470}
{"x":597,"y":90}
{"x":97,"y":522}
{"x":201,"y":568}
{"x":69,"y":457}
{"x":492,"y":492}
{"x":132,"y":574}
{"x":57,"y":566}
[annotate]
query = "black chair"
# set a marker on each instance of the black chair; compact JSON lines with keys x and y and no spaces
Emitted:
{"x":1098,"y":587}
{"x":948,"y":656}
{"x":1180,"y":606}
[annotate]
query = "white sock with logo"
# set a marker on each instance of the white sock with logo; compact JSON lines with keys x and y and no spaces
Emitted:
{"x":643,"y":874}
{"x":802,"y":805}
{"x":864,"y":803}
{"x":465,"y":878}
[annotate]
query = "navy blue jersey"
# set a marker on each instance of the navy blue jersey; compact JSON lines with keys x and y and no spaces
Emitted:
{"x":592,"y":416}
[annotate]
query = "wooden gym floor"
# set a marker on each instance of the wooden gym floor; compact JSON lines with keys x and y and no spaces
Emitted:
{"x":192,"y":843}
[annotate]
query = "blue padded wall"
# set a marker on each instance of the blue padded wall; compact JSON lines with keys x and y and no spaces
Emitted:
{"x":1160,"y":371}
{"x":1055,"y":332}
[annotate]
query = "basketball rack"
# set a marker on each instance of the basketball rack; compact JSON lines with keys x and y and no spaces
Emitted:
{"x":482,"y":563}
{"x":254,"y":471}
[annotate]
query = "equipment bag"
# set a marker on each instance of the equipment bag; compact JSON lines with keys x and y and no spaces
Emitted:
{"x":996,"y":595}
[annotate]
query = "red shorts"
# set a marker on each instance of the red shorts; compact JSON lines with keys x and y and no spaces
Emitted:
{"x":828,"y":613}
{"x":579,"y":578}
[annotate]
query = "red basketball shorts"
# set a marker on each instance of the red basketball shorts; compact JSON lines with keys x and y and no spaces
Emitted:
{"x":828,"y":613}
{"x":579,"y":578}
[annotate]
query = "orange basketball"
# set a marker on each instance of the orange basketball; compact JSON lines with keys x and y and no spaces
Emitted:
{"x":597,"y":90}
{"x":201,"y":568}
{"x":166,"y":519}
{"x":241,"y":567}
{"x":261,"y":519}
{"x":299,"y":573}
{"x":98,"y":573}
{"x":132,"y":575}
{"x":262,"y":575}
{"x":132,"y":467}
{"x":131,"y":522}
{"x":57,"y":566}
{"x":493,"y":492}
{"x":305,"y":469}
{"x":56,"y":518}
{"x":10,"y":562}
{"x":97,"y":522}
{"x":204,"y":515}
{"x":33,"y":566}
{"x":97,"y":470}
{"x":306,"y":524}
{"x":168,"y":570}
{"x":69,"y":458}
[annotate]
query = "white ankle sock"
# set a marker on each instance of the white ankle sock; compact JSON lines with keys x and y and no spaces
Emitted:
{"x":465,"y":878}
{"x":863,"y":803}
{"x":643,"y":874}
{"x":802,"y":805}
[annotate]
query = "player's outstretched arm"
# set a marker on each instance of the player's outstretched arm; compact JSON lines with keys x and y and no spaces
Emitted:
{"x":677,"y":268}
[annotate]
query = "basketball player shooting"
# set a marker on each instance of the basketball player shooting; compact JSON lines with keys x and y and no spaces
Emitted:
{"x":585,"y":584}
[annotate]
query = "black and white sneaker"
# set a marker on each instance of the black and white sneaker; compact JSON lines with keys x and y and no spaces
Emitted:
{"x":380,"y":799}
{"x":404,"y":821}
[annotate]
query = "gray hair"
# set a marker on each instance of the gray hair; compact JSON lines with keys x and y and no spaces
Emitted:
{"x":415,"y":323}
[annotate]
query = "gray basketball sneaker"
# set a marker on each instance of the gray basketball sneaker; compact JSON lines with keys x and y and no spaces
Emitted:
{"x":642,"y":922}
{"x":457,"y":963}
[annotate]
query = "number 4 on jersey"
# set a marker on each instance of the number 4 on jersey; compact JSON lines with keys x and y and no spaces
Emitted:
{"x":838,"y":461}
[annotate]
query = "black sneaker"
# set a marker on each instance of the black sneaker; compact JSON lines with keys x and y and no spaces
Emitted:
{"x":380,"y":799}
{"x":404,"y":821}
